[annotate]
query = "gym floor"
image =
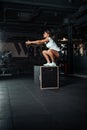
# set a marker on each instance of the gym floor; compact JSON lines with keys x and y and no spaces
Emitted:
{"x":24,"y":106}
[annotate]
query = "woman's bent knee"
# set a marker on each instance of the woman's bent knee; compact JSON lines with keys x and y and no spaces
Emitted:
{"x":44,"y":52}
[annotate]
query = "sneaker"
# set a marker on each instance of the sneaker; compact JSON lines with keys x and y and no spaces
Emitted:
{"x":47,"y":64}
{"x":52,"y":64}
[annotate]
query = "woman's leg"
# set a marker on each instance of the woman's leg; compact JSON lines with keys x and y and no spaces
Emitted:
{"x":50,"y":54}
{"x":46,"y":55}
{"x":53,"y":54}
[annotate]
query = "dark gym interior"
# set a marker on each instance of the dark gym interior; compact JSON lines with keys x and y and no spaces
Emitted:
{"x":24,"y":103}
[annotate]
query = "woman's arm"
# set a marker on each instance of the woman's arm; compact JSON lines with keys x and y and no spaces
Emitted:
{"x":37,"y":41}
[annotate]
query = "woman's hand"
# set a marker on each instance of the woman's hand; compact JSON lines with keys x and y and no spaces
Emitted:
{"x":28,"y":42}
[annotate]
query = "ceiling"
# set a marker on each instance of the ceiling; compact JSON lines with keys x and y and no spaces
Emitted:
{"x":32,"y":17}
{"x":68,"y":3}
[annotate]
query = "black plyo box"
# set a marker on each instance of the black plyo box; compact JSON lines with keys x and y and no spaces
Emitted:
{"x":49,"y":77}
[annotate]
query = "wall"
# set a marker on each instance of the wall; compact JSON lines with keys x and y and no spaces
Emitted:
{"x":80,"y":65}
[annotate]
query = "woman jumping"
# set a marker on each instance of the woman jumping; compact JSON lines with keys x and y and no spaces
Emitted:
{"x":53,"y":50}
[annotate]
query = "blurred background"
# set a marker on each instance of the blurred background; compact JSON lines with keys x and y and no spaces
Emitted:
{"x":21,"y":20}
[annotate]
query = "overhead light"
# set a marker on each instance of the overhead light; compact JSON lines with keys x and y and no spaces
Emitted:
{"x":64,"y":39}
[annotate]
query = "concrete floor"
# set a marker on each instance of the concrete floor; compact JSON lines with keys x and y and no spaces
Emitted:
{"x":23,"y":106}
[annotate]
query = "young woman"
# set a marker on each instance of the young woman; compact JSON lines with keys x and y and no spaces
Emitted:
{"x":53,"y":50}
